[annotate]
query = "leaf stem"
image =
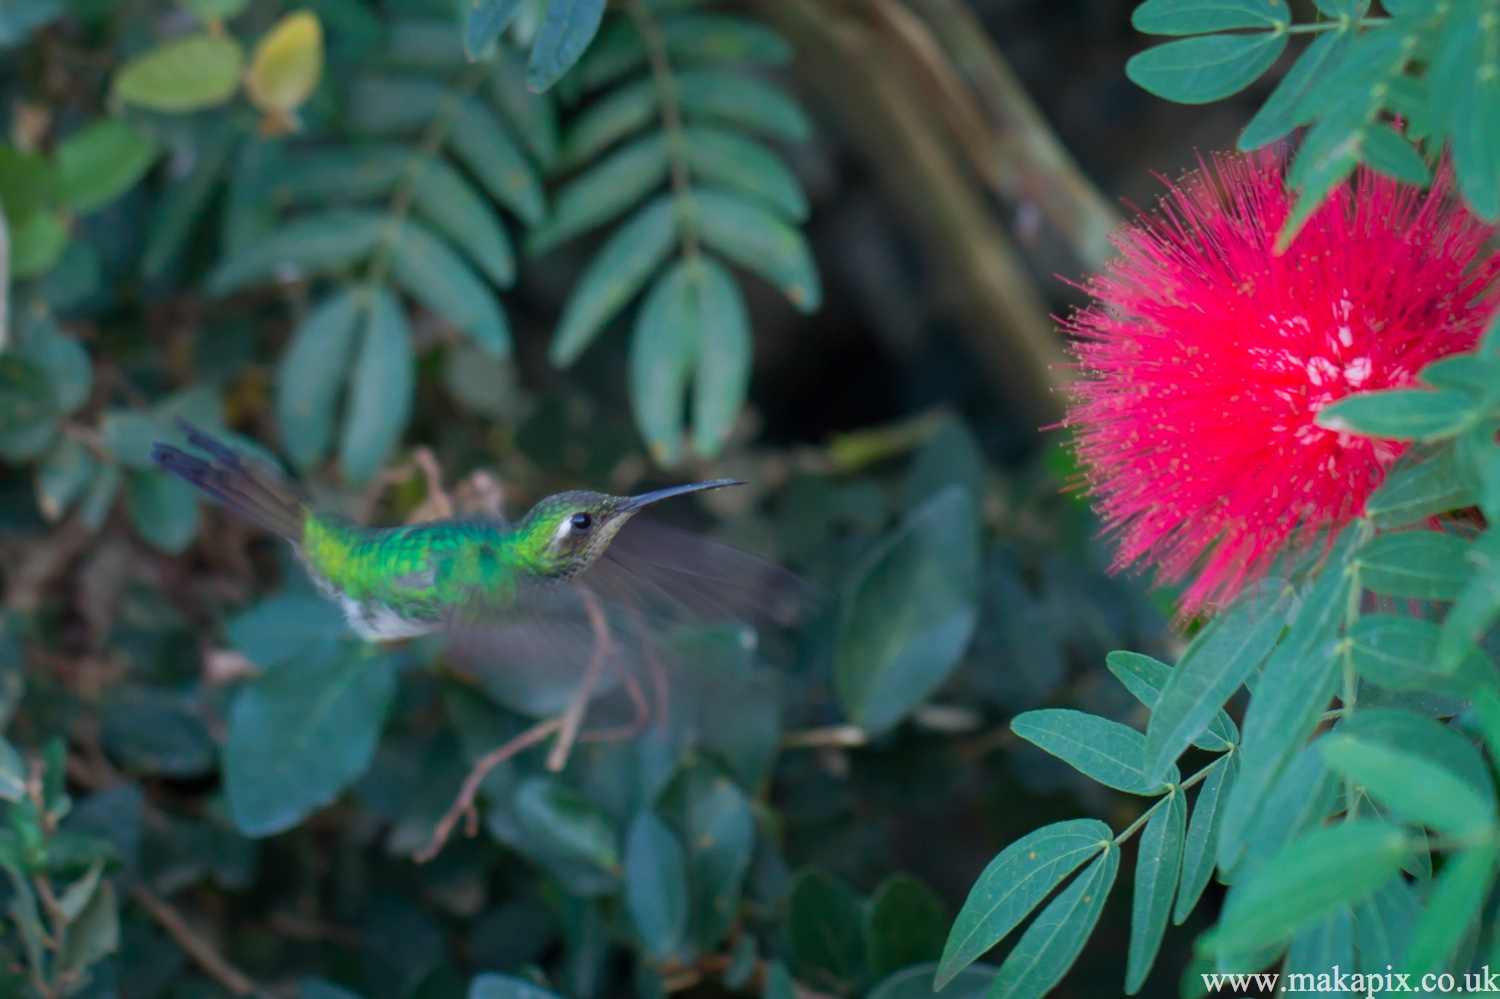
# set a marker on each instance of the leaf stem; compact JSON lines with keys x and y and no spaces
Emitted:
{"x":406,"y":187}
{"x":1145,"y":816}
{"x":1340,"y":24}
{"x":671,"y":125}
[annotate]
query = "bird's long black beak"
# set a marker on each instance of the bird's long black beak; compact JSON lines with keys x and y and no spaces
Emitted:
{"x":633,"y":503}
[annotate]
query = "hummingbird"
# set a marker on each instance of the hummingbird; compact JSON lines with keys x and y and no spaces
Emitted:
{"x":500,"y":591}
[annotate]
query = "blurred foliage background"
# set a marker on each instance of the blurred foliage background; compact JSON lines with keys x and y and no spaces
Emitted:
{"x":810,"y":243}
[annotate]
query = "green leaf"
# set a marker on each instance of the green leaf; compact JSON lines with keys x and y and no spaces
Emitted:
{"x":1013,"y":884}
{"x":1439,"y":743}
{"x":63,"y":474}
{"x":711,"y":817}
{"x":1328,"y":155}
{"x":568,"y":822}
{"x":1424,"y":482}
{"x":1192,"y":17}
{"x":285,"y":627}
{"x":482,"y":145}
{"x":905,"y":923}
{"x":184,"y":202}
{"x":1474,"y":610}
{"x":381,"y":391}
{"x":656,"y":887}
{"x":456,"y":210}
{"x":37,"y":244}
{"x":951,"y":455}
{"x":607,"y":121}
{"x":1421,"y":565}
{"x":76,"y":897}
{"x":779,"y":983}
{"x":1280,"y":113}
{"x":1294,"y":687}
{"x":100,"y":162}
{"x":484,"y":20}
{"x":301,"y":733}
{"x":12,"y":772}
{"x":1208,"y":676}
{"x":1386,"y":151}
{"x":917,"y":982}
{"x":761,"y":242}
{"x":312,"y":371}
{"x":343,"y":174}
{"x":151,"y":731}
{"x":907,"y":611}
{"x":1400,"y":653}
{"x":1414,"y":788}
{"x":531,"y":116}
{"x":1326,"y":869}
{"x":1319,"y":945}
{"x":823,"y":927}
{"x":1475,"y":374}
{"x":1466,"y":101}
{"x":100,"y":498}
{"x":184,"y":74}
{"x":163,"y":510}
{"x":613,"y":277}
{"x":434,"y":275}
{"x":424,"y":43}
{"x":567,"y":30}
{"x":321,"y":244}
{"x":603,"y":192}
{"x":741,"y":100}
{"x":1452,"y":908}
{"x":722,"y":379}
{"x":1383,"y":924}
{"x":1145,"y":677}
{"x":728,"y":160}
{"x":95,"y":933}
{"x":1110,"y":753}
{"x":1399,"y":414}
{"x":1304,"y":795}
{"x":1156,"y":870}
{"x":481,"y":382}
{"x":692,"y":35}
{"x":662,"y":351}
{"x":26,"y":397}
{"x":1200,"y":848}
{"x":1052,"y":943}
{"x":387,"y":105}
{"x":489,"y":985}
{"x":1207,"y":68}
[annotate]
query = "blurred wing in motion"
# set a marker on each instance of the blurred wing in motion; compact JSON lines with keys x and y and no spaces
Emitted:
{"x":687,"y":577}
{"x":533,"y":656}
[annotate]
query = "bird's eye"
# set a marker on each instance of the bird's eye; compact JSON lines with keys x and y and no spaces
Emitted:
{"x":582,"y":522}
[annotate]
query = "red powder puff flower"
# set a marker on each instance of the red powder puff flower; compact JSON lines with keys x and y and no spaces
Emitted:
{"x":1206,"y":357}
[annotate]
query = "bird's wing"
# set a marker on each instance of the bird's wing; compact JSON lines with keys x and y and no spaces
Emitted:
{"x":532,"y":653}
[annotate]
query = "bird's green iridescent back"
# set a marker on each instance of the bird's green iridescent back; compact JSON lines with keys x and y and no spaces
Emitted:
{"x":422,"y":572}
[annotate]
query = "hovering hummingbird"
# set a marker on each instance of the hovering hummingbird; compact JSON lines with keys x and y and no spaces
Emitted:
{"x":500,"y":591}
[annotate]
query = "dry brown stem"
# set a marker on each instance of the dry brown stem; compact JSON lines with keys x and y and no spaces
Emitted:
{"x":220,"y":970}
{"x":862,"y":63}
{"x":463,"y":805}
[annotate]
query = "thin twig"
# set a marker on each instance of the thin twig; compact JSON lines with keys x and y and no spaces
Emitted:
{"x":830,"y":735}
{"x":463,"y":805}
{"x":220,"y":970}
{"x":671,"y":125}
{"x":572,"y":718}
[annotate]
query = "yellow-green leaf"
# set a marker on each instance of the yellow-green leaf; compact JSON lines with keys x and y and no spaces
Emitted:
{"x":287,"y":64}
{"x":184,"y":74}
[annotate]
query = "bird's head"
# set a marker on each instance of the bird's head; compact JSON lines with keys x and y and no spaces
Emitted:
{"x":564,"y":534}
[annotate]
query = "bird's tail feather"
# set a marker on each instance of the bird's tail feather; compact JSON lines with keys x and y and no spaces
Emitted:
{"x":255,"y":493}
